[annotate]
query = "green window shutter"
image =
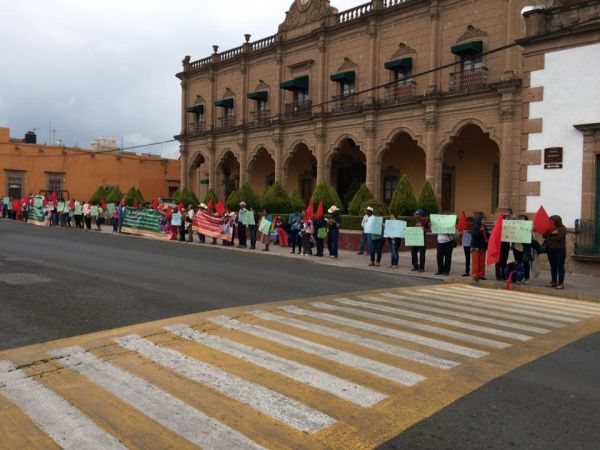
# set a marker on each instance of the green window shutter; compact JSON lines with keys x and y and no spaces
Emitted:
{"x":199,"y":109}
{"x":399,"y":63}
{"x":349,"y":76}
{"x":295,"y":84}
{"x":475,"y":46}
{"x":225,"y":103}
{"x":260,"y":95}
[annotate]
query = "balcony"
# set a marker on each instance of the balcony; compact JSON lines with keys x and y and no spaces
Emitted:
{"x":297,"y":110}
{"x":196,"y":129}
{"x":400,"y":91}
{"x":468,"y":80}
{"x":225,"y":123}
{"x":258,"y":118}
{"x":587,"y":240}
{"x":344,"y":103}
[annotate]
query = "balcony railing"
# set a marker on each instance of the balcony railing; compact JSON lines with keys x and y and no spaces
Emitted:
{"x":196,"y":129}
{"x":344,"y":103}
{"x":225,"y":123}
{"x":259,"y":118}
{"x":298,"y":109}
{"x":587,"y":241}
{"x":400,"y":91}
{"x":467,"y":80}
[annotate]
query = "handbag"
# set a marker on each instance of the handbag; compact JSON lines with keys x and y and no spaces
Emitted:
{"x":322,"y":233}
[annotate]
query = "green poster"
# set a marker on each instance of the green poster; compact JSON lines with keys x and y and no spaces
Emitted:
{"x":518,"y":231}
{"x":111,"y":208}
{"x":248,"y":218}
{"x":36,"y":216}
{"x":136,"y":220}
{"x":265,"y":226}
{"x":94,"y":211}
{"x":61,"y":207}
{"x":6,"y":201}
{"x":78,"y":209}
{"x":443,"y":224}
{"x":414,"y":237}
{"x":38,"y":201}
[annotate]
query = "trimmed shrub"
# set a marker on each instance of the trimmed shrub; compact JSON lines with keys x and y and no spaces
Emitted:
{"x":380,"y":208}
{"x":246,"y":194}
{"x":231,"y":202}
{"x":336,"y":198}
{"x":131,"y":196}
{"x":427,"y":200}
{"x":114,"y":195}
{"x":362,"y":195}
{"x":101,"y":193}
{"x":404,"y":202}
{"x":192,"y":199}
{"x":325,"y":192}
{"x":297,"y":202}
{"x":276,"y":200}
{"x":140,"y":197}
{"x":211,"y":194}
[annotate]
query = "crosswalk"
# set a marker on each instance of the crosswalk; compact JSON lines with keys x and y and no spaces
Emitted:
{"x":334,"y":372}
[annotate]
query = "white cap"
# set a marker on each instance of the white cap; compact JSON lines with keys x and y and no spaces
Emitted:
{"x":333,"y":209}
{"x":203,"y":206}
{"x":370,"y":208}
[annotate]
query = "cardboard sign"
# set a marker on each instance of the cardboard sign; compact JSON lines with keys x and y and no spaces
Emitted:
{"x":94,"y":211}
{"x":78,"y":209}
{"x":7,"y":202}
{"x":248,"y":218}
{"x":374,"y":225}
{"x":111,"y":208}
{"x":394,"y":228}
{"x":414,"y":237}
{"x":61,"y":207}
{"x":175,"y":219}
{"x":443,"y":224}
{"x":518,"y":231}
{"x":265,"y":226}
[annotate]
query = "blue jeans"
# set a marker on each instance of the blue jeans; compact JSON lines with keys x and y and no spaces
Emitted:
{"x":376,"y":248}
{"x":394,"y":246}
{"x":252,"y":229}
{"x":334,"y":240}
{"x":364,"y":242}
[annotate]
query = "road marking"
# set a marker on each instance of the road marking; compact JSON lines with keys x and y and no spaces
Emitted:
{"x":381,"y":346}
{"x":472,"y":317}
{"x":351,"y":392}
{"x":264,"y":400}
{"x":373,"y":367}
{"x":65,"y":424}
{"x":167,"y":410}
{"x":460,"y":307}
{"x":430,"y":318}
{"x":418,"y":326}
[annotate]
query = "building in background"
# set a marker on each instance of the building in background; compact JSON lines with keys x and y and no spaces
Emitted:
{"x":27,"y":167}
{"x":103,"y":144}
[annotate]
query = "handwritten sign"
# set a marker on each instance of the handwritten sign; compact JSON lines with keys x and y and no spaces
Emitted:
{"x":248,"y":218}
{"x":265,"y":226}
{"x":443,"y":224}
{"x":414,"y":237}
{"x":94,"y":211}
{"x":518,"y":231}
{"x":6,"y":201}
{"x":38,"y":202}
{"x":61,"y":207}
{"x":374,"y":225}
{"x":394,"y":228}
{"x":78,"y":209}
{"x":175,"y":219}
{"x":111,"y":208}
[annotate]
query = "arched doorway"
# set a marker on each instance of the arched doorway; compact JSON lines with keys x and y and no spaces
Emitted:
{"x":261,"y":171}
{"x":198,"y":176}
{"x":348,"y":170}
{"x":228,"y":175}
{"x":471,"y":172}
{"x":402,"y":156}
{"x":301,"y":170}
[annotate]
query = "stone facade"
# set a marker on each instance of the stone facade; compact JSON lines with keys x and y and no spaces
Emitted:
{"x":388,"y":88}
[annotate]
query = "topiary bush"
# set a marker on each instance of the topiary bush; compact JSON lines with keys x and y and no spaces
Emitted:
{"x":380,"y":208}
{"x":362,"y":195}
{"x":211,"y":194}
{"x":427,"y":200}
{"x":297,"y":202}
{"x":140,"y":197}
{"x":327,"y":193}
{"x":404,"y":202}
{"x":114,"y":195}
{"x":247,"y":194}
{"x":131,"y":196}
{"x":276,"y":200}
{"x":101,"y":193}
{"x":192,"y":199}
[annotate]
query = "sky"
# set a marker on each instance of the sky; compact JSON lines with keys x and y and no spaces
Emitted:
{"x":91,"y":68}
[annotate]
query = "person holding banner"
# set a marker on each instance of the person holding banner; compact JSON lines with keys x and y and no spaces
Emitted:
{"x":266,"y":227}
{"x":467,"y":240}
{"x":557,"y":252}
{"x":479,"y":240}
{"x":320,"y":235}
{"x":87,"y":215}
{"x":418,"y":252}
{"x":364,"y":237}
{"x":99,"y":218}
{"x":242,"y":225}
{"x":308,"y":230}
{"x":295,"y":223}
{"x":374,"y":228}
{"x":394,"y":243}
{"x":523,"y":254}
{"x":504,"y":251}
{"x":188,"y":223}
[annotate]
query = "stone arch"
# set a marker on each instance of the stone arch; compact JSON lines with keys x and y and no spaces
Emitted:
{"x":347,"y":166}
{"x":261,"y":169}
{"x":300,"y":169}
{"x":393,"y":135}
{"x":338,"y":142}
{"x":458,"y":127}
{"x":198,"y":170}
{"x":227,"y":173}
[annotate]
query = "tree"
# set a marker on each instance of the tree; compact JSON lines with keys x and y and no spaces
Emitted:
{"x":404,"y":202}
{"x":335,"y":197}
{"x":327,"y":193}
{"x":276,"y":200}
{"x":231,"y":202}
{"x":114,"y":195}
{"x":247,"y":195}
{"x":211,"y":194}
{"x":131,"y":196}
{"x":297,"y":202}
{"x":379,"y":208}
{"x":362,"y":195}
{"x":192,"y":199}
{"x":140,"y":197}
{"x":101,"y":193}
{"x":427,"y":200}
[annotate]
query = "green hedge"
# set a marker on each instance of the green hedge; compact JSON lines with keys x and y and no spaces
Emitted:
{"x":276,"y":199}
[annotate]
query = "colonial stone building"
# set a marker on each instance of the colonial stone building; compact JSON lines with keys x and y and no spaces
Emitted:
{"x":427,"y":88}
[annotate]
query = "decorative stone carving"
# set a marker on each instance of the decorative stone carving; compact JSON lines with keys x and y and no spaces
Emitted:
{"x":262,"y":86}
{"x":431,"y":123}
{"x":471,"y":34}
{"x":301,"y":66}
{"x":228,"y":93}
{"x":347,"y":65}
{"x":305,"y":11}
{"x":199,"y":100}
{"x":403,"y":51}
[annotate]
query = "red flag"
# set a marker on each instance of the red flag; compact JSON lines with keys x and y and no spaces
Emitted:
{"x":320,"y":210}
{"x":463,"y":223}
{"x":72,"y":204}
{"x":309,"y":213}
{"x":122,"y":203}
{"x":220,"y":208}
{"x":169,"y":213}
{"x":211,"y":205}
{"x":103,"y":203}
{"x":493,"y":255}
{"x":54,"y":197}
{"x":136,"y":203}
{"x":155,"y":203}
{"x":542,"y":223}
{"x":180,"y":207}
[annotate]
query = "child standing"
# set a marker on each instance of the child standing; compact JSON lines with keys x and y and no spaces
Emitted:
{"x":466,"y":243}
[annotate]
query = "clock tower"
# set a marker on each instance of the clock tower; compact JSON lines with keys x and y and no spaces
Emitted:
{"x":309,"y":14}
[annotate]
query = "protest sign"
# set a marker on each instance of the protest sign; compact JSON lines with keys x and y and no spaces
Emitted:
{"x":61,"y":206}
{"x":7,"y":202}
{"x":78,"y":209}
{"x":394,"y":228}
{"x":265,"y":226}
{"x":142,"y":222}
{"x":176,"y":219}
{"x":518,"y":231}
{"x":248,"y":218}
{"x":443,"y":224}
{"x":38,"y":201}
{"x":111,"y":208}
{"x":374,"y":225}
{"x":414,"y":237}
{"x":212,"y":226}
{"x":94,"y":211}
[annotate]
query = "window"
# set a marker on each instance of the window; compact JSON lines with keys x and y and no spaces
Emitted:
{"x":55,"y":182}
{"x":402,"y":73}
{"x":199,"y":117}
{"x":229,"y":113}
{"x":262,"y":106}
{"x":173,"y":190}
{"x":389,"y":186}
{"x":300,"y":96}
{"x":470,"y":61}
{"x":346,"y":88}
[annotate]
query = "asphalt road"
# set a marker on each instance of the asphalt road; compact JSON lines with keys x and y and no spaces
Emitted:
{"x":57,"y":283}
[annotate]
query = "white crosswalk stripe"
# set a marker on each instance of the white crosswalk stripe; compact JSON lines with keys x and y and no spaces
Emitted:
{"x":431,"y":318}
{"x":418,"y":326}
{"x":373,"y":344}
{"x":159,"y":405}
{"x":366,"y":365}
{"x":65,"y":424}
{"x":435,"y":301}
{"x":336,"y":386}
{"x":258,"y":397}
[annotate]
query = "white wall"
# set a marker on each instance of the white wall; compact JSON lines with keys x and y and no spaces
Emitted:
{"x":571,"y":81}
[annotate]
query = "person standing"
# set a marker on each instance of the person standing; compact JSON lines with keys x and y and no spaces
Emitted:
{"x":189,"y":221}
{"x":504,"y":251}
{"x":445,"y":247}
{"x":556,"y":241}
{"x":479,"y":242}
{"x":242,"y":226}
{"x":87,"y":215}
{"x":394,"y":244}
{"x":466,"y":243}
{"x":114,"y":217}
{"x":99,"y":219}
{"x":376,"y":247}
{"x":308,"y":231}
{"x":364,"y":237}
{"x":523,"y":254}
{"x":418,"y":252}
{"x":333,"y":238}
{"x":266,"y":237}
{"x":295,"y":223}
{"x":320,"y":235}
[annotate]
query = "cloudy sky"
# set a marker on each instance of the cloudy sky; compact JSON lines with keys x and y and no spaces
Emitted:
{"x":106,"y":67}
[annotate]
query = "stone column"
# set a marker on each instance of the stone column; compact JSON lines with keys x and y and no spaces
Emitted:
{"x":433,"y":160}
{"x":279,"y":93}
{"x":322,"y":168}
{"x":507,"y":114}
{"x":372,"y":166}
{"x":212,"y":171}
{"x":213,"y":98}
{"x":184,"y":96}
{"x":434,"y":53}
{"x":183,"y":161}
{"x":323,"y":78}
{"x":372,"y":96}
{"x":278,"y":157}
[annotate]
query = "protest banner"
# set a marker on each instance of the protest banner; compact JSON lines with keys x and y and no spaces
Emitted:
{"x":414,"y":237}
{"x":443,"y":224}
{"x":394,"y":228}
{"x":211,"y":226}
{"x":517,"y":231}
{"x":142,"y":222}
{"x":111,"y":208}
{"x":38,"y":201}
{"x":374,"y":225}
{"x":35,"y":215}
{"x":265,"y":226}
{"x":248,"y":218}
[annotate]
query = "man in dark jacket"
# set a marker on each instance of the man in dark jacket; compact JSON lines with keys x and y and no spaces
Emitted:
{"x":479,"y":238}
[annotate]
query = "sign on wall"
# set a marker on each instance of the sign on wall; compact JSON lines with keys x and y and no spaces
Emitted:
{"x":553,"y":158}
